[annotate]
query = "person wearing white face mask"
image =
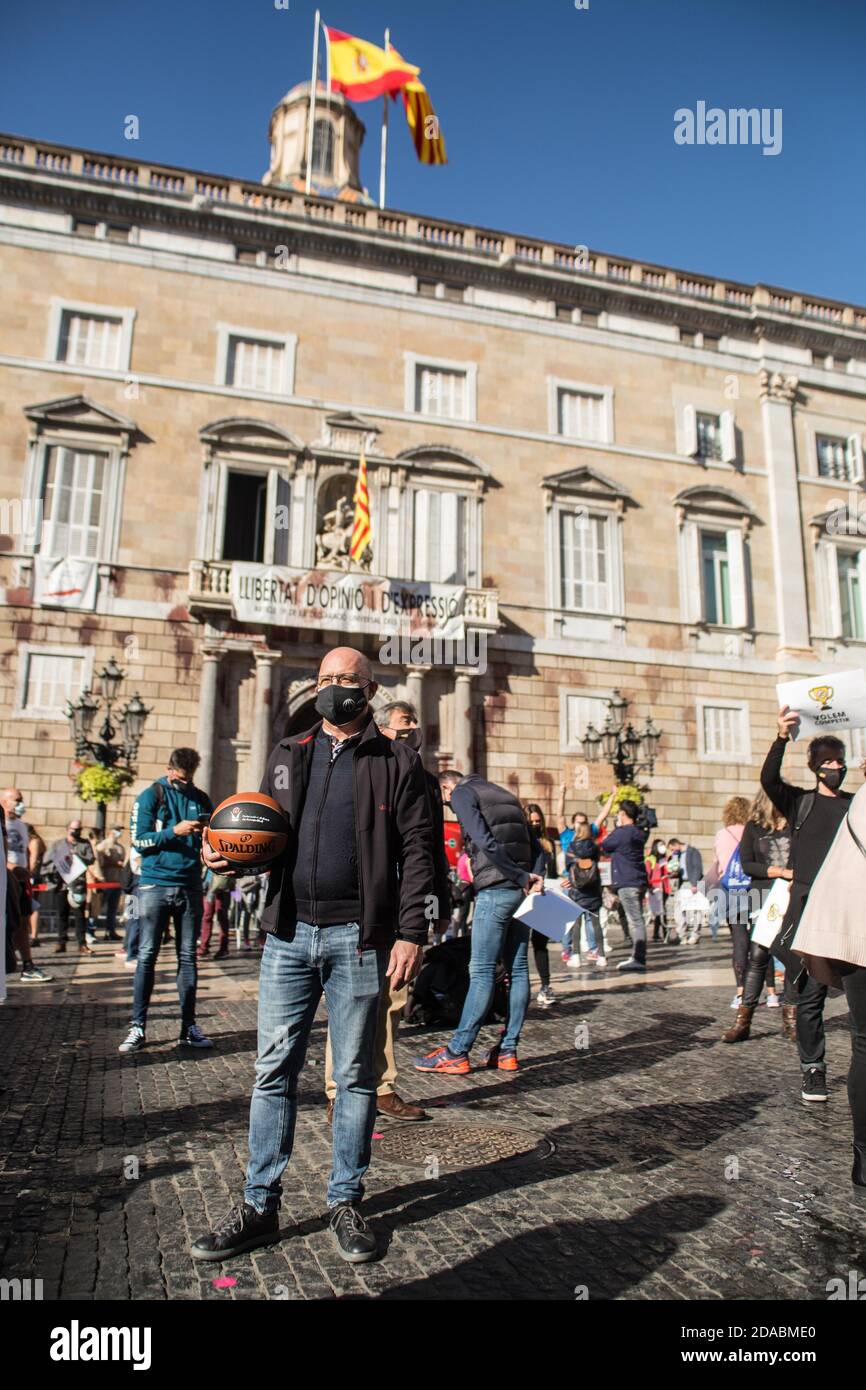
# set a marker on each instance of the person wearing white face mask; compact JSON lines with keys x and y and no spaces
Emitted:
{"x":659,"y":886}
{"x":17,"y":864}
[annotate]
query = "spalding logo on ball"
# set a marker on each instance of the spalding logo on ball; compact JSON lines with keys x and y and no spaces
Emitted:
{"x":249,"y":830}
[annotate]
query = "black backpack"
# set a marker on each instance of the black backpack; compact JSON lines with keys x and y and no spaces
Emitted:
{"x":578,"y":877}
{"x":439,"y":991}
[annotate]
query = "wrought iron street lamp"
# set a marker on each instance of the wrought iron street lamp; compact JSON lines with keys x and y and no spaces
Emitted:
{"x":104,"y":752}
{"x":627,"y":750}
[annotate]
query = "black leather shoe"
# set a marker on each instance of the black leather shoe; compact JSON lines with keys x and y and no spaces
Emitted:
{"x":858,"y":1172}
{"x":355,"y":1241}
{"x":243,"y":1229}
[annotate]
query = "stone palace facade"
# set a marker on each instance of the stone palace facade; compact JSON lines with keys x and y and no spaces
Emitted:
{"x":609,"y":474}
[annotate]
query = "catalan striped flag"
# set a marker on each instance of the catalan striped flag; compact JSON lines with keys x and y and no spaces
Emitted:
{"x":423,"y":124}
{"x":361,"y":532}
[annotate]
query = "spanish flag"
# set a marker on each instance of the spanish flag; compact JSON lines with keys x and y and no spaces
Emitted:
{"x":424,"y":124}
{"x":362,"y":71}
{"x":361,"y":533}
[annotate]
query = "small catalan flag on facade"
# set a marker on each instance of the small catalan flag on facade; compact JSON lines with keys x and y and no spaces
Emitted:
{"x":361,"y":532}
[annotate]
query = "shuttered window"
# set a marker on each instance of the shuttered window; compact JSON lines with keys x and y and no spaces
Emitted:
{"x":585,"y":562}
{"x":439,"y":555}
{"x":88,"y":340}
{"x":73,"y":503}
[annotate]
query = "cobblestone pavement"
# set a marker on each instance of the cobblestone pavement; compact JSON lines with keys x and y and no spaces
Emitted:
{"x":674,"y":1166}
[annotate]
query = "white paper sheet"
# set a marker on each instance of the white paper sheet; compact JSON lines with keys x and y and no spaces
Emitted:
{"x":549,"y":912}
{"x":68,"y":865}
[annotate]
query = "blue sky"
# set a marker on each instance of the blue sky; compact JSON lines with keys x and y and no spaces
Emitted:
{"x":559,"y":122}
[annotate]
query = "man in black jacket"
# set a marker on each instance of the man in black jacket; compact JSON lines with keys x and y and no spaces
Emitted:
{"x":814,"y":817}
{"x":346,"y":908}
{"x":399,"y":720}
{"x":507,"y":863}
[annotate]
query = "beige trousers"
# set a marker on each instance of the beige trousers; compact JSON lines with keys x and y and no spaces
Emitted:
{"x":391,"y":1005}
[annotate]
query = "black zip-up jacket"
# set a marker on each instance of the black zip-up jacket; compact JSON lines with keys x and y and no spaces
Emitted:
{"x":810,"y":846}
{"x":756,"y":848}
{"x":393,"y":835}
{"x":441,"y":871}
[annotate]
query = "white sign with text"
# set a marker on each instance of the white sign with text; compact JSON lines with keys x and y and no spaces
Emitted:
{"x":826,"y":703}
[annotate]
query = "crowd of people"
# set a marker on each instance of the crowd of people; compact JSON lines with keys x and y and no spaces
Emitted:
{"x":88,"y":884}
{"x":365,"y":909}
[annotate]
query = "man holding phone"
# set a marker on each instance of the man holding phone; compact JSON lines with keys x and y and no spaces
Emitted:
{"x":166,"y":826}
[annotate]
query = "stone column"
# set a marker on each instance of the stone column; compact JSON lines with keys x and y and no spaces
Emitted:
{"x":463,"y":722}
{"x":789,"y":567}
{"x":260,"y":744}
{"x":415,"y":693}
{"x":207,"y":701}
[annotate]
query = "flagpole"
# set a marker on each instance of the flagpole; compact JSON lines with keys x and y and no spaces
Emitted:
{"x":313,"y":85}
{"x":384,"y":154}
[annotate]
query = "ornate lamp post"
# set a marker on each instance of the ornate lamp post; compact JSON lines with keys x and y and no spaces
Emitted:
{"x":104,"y":752}
{"x":627,"y":750}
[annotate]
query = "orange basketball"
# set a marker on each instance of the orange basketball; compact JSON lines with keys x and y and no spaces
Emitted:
{"x":249,"y":830}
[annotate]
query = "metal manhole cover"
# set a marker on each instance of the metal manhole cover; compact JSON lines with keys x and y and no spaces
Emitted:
{"x":439,"y":1146}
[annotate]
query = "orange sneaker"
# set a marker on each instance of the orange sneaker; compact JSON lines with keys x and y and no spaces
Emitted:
{"x":501,"y":1061}
{"x":442,"y":1060}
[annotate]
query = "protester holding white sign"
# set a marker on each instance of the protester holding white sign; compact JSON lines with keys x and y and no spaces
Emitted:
{"x":831,"y":938}
{"x":814,"y":816}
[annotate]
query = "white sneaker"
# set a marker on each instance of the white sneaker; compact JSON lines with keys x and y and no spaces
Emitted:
{"x":574,"y":962}
{"x":545,"y":997}
{"x":601,"y":963}
{"x":736,"y":1001}
{"x":773,"y":1001}
{"x":134,"y":1040}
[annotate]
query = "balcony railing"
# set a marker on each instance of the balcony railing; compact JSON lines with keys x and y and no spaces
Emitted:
{"x":210,"y":587}
{"x":449,"y":238}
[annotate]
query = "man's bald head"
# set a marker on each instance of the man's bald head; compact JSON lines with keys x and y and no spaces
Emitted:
{"x":9,"y":799}
{"x":346,"y":661}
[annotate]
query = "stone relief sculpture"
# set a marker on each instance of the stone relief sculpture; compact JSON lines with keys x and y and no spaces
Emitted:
{"x":332,"y":542}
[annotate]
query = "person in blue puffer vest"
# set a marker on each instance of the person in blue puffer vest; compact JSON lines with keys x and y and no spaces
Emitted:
{"x":166,"y":825}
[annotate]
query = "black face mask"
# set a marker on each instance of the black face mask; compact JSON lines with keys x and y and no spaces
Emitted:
{"x":410,"y":736}
{"x":341,"y":704}
{"x":832,"y":777}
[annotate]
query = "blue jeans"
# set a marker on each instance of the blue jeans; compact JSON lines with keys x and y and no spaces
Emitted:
{"x":110,"y":900}
{"x":294,"y":975}
{"x":586,"y":920}
{"x":495,"y":933}
{"x":132,"y":934}
{"x":155,"y":906}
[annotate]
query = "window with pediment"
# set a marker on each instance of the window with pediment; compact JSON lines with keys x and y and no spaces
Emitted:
{"x":585,"y":516}
{"x":714,"y":526}
{"x":247,"y":492}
